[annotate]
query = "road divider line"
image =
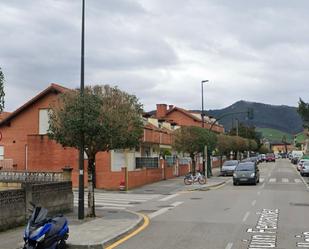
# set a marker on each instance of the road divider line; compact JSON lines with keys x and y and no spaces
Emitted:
{"x":246,"y":217}
{"x":229,"y":245}
{"x":168,"y":197}
{"x":253,"y":203}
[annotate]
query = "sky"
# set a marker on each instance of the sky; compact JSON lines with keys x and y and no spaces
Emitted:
{"x":159,"y":50}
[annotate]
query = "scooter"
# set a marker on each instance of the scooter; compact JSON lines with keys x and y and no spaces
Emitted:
{"x":45,"y":233}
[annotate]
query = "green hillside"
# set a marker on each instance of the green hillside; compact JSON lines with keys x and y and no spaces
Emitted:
{"x":274,"y":135}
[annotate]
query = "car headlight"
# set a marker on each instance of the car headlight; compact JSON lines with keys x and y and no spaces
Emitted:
{"x":252,"y":175}
{"x":234,"y":175}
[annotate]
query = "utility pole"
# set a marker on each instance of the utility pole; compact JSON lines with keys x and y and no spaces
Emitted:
{"x":203,"y":123}
{"x":81,"y":213}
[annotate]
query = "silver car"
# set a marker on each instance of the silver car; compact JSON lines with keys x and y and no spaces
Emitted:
{"x":304,"y":169}
{"x":228,"y":167}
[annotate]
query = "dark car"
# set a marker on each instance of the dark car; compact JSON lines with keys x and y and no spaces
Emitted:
{"x":246,"y":172}
{"x":270,"y":157}
{"x":228,"y":167}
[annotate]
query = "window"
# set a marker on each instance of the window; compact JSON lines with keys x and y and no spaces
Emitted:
{"x":43,"y":121}
{"x":1,"y":152}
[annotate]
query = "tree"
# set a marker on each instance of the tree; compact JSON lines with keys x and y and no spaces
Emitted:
{"x":192,"y":140}
{"x":303,"y":110}
{"x":112,"y":120}
{"x":2,"y":94}
{"x":264,"y":150}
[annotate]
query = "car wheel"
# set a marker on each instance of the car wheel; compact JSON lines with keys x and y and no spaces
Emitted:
{"x":235,"y":183}
{"x":302,"y":174}
{"x":258,"y":180}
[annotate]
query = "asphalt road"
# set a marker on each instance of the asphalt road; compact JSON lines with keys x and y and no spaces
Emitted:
{"x":273,"y":214}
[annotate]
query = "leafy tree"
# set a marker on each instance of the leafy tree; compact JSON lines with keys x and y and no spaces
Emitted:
{"x":112,"y":120}
{"x":303,"y":110}
{"x":224,"y":144}
{"x":192,"y":140}
{"x":248,"y":132}
{"x":2,"y":94}
{"x":264,"y":150}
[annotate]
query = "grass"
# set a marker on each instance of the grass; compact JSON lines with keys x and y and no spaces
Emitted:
{"x":274,"y":135}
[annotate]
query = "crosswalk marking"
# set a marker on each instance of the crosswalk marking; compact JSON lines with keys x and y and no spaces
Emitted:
{"x":285,"y":180}
{"x":297,"y":180}
{"x":262,"y":180}
{"x":117,"y":200}
{"x":272,"y":180}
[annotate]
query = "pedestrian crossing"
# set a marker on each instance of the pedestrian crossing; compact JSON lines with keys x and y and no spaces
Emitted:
{"x":281,"y":180}
{"x":116,"y":200}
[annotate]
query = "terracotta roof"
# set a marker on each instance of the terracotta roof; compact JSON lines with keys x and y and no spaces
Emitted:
{"x":187,"y":113}
{"x":3,"y":115}
{"x":52,"y":88}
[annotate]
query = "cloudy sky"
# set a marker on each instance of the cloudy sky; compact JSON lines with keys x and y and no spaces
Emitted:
{"x":160,"y":50}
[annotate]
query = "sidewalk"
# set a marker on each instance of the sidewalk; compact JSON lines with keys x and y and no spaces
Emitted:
{"x":108,"y":227}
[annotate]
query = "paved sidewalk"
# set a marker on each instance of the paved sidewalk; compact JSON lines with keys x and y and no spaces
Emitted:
{"x":106,"y":228}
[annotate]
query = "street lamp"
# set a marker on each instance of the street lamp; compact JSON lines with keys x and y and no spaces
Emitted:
{"x":203,"y":121}
{"x":82,"y":138}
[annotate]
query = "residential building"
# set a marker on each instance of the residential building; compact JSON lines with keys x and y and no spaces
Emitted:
{"x":25,"y":145}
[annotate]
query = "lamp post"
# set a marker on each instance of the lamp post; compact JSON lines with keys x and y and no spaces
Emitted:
{"x":203,"y":123}
{"x":82,"y":142}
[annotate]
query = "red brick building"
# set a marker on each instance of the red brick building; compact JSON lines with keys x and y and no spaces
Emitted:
{"x":24,"y":145}
{"x":182,"y":117}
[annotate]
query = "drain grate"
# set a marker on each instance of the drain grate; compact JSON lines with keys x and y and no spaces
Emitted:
{"x":195,"y":198}
{"x":146,"y":211}
{"x":299,"y":204}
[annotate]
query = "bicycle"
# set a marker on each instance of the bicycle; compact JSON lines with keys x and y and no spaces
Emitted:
{"x":191,"y":179}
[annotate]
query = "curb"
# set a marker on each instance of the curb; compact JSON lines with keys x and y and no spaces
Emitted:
{"x":109,"y":242}
{"x":209,"y":187}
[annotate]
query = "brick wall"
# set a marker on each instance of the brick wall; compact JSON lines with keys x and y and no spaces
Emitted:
{"x":57,"y":197}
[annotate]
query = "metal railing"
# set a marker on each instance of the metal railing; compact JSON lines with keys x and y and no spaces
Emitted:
{"x":146,"y":162}
{"x":170,"y":160}
{"x":24,"y":176}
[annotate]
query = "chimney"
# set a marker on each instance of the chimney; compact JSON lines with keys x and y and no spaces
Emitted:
{"x":161,"y":110}
{"x":170,"y":107}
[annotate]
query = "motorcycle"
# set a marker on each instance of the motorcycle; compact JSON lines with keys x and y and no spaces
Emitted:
{"x":191,"y":179}
{"x":45,"y":233}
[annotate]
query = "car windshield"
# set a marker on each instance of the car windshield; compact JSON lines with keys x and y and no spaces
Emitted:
{"x":230,"y":163}
{"x":245,"y":167}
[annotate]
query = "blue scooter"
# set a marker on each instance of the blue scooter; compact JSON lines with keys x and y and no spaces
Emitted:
{"x":45,"y":233}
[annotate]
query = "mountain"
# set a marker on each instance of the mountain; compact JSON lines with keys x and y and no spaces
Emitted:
{"x":282,"y":118}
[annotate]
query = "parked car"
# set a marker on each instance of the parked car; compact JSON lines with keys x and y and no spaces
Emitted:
{"x":301,"y":163}
{"x":246,"y":172}
{"x":263,"y":157}
{"x":270,"y":157}
{"x":304,"y":170}
{"x":228,"y":167}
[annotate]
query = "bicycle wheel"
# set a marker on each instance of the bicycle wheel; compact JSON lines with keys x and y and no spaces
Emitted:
{"x":202,"y":180}
{"x":187,"y":181}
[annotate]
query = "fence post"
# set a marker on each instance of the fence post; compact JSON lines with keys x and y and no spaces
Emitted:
{"x":67,"y":173}
{"x":27,"y":187}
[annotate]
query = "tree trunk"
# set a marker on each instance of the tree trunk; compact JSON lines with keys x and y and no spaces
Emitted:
{"x":91,"y":185}
{"x":193,"y":163}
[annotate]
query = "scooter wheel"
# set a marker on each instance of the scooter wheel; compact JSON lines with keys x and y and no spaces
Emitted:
{"x":62,"y":245}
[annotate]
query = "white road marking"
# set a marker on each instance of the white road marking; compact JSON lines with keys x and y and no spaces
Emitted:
{"x":285,"y":180}
{"x":259,"y":192}
{"x":272,"y":180}
{"x":164,"y":210}
{"x":246,"y":217}
{"x":168,"y":197}
{"x":253,"y":203}
{"x":262,"y":180}
{"x":302,"y":178}
{"x":297,"y":180}
{"x":229,"y":245}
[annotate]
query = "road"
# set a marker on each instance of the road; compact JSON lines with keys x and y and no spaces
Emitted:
{"x":273,"y":214}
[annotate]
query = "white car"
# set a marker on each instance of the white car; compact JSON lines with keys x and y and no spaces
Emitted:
{"x":300,"y":163}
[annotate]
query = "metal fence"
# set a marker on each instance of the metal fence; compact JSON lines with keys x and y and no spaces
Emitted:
{"x":24,"y":176}
{"x":170,"y":160}
{"x":184,"y":160}
{"x":147,"y":162}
